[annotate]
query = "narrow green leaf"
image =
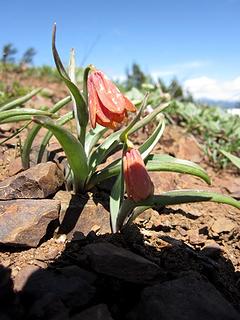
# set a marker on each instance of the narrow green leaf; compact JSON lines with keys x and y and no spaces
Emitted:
{"x":125,"y":211}
{"x":4,"y":115}
{"x":189,"y":196}
{"x":73,"y":149}
{"x":61,"y":121}
{"x":143,"y":122}
{"x":159,"y":162}
{"x":25,"y":155}
{"x":115,"y":200}
{"x":34,"y":131}
{"x":19,"y":101}
{"x":152,"y":141}
{"x":81,"y":111}
{"x":102,"y":151}
{"x":235,"y":160}
{"x":135,"y":120}
{"x":117,"y":194}
{"x":93,"y":137}
{"x":172,"y":198}
{"x":85,"y":78}
{"x":60,"y":104}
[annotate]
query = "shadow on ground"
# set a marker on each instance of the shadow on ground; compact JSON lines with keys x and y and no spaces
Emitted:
{"x":118,"y":276}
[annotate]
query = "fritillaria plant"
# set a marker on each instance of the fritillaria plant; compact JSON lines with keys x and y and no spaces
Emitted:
{"x":100,"y":110}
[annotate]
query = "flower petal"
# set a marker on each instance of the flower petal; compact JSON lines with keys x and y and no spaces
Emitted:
{"x":138,"y":183}
{"x":108,"y":93}
{"x":129,"y":106}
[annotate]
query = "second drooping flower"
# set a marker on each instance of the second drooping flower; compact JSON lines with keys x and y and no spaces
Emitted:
{"x":107,"y":105}
{"x":138,"y":182}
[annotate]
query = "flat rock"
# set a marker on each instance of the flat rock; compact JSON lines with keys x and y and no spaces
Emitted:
{"x":25,"y":222}
{"x":37,"y":182}
{"x":118,"y":262}
{"x":98,"y":312}
{"x":190,"y":297}
{"x":222,"y":224}
{"x":80,"y":215}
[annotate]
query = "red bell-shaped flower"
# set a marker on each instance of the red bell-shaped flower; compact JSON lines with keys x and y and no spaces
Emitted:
{"x":107,"y":105}
{"x":138,"y":183}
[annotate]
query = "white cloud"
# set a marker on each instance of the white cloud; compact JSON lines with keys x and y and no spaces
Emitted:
{"x":205,"y":87}
{"x":178,"y":69}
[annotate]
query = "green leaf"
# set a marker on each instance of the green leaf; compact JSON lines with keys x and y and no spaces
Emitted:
{"x":172,"y":198}
{"x":4,"y":115}
{"x":143,"y":122}
{"x":235,"y":160}
{"x":73,"y":149}
{"x":80,"y":109}
{"x":61,"y":121}
{"x":85,"y":78}
{"x":103,"y":150}
{"x":158,"y":162}
{"x":60,"y":104}
{"x":93,"y":137}
{"x":19,"y":101}
{"x":115,"y":201}
{"x":25,"y":155}
{"x":34,"y":131}
{"x":152,"y":141}
{"x":117,"y":194}
{"x":135,"y":120}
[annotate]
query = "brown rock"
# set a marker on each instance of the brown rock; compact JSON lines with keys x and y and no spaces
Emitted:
{"x":195,"y":238}
{"x":25,"y":222}
{"x":118,"y":262}
{"x":190,"y":297}
{"x":23,"y":275}
{"x":189,"y":149}
{"x":222,"y":224}
{"x":163,"y":181}
{"x":15,"y":167}
{"x":39,"y":181}
{"x":81,"y":215}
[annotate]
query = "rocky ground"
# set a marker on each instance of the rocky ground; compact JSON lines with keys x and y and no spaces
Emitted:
{"x":59,"y":259}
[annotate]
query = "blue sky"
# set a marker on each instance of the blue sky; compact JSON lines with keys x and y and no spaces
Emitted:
{"x":197,"y":41}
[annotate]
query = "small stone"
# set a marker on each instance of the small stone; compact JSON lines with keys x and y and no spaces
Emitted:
{"x":121,"y":263}
{"x":25,"y":222}
{"x":98,"y":312}
{"x":37,"y":182}
{"x":195,"y":238}
{"x":222,"y":224}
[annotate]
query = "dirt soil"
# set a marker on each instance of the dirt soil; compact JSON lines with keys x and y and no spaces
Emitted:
{"x":201,"y":239}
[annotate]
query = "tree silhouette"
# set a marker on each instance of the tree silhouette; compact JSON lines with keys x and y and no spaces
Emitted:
{"x":28,"y":55}
{"x":8,"y":53}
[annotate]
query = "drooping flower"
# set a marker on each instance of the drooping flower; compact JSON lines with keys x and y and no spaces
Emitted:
{"x":138,"y":182}
{"x":107,"y":105}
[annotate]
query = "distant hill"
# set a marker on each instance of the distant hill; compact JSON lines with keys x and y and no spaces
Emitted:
{"x":220,"y":103}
